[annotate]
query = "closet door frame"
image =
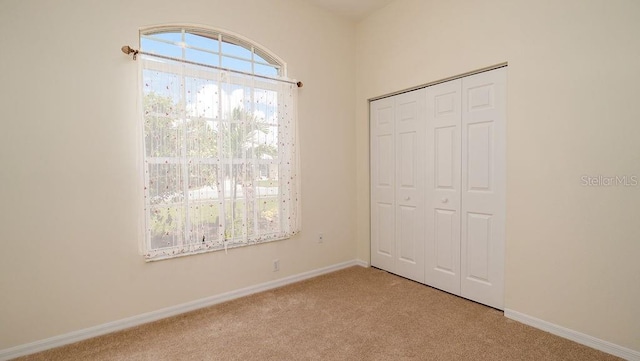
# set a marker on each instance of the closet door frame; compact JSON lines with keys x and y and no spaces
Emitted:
{"x":464,"y":209}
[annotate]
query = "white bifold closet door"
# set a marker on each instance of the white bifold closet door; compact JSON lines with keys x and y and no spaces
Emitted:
{"x":383,"y":183}
{"x":443,"y":202}
{"x":397,"y":184}
{"x":465,"y":187}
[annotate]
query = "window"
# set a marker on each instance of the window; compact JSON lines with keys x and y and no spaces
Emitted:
{"x":220,"y":159}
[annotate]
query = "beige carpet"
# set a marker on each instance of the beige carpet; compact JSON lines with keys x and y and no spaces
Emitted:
{"x":354,"y":314}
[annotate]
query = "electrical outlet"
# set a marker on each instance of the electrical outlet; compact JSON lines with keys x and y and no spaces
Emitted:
{"x":276,"y":265}
{"x":320,"y":237}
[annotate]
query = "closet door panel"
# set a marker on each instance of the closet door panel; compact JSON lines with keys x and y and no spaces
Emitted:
{"x":410,"y":184}
{"x":483,"y":187}
{"x":383,"y":226}
{"x":442,"y":239}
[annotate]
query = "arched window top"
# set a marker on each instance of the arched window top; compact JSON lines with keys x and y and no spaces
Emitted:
{"x":212,"y":47}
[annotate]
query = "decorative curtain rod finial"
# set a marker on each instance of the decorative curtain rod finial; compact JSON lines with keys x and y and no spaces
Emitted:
{"x":128,"y":50}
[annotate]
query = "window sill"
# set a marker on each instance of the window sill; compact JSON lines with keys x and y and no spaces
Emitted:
{"x":194,"y":249}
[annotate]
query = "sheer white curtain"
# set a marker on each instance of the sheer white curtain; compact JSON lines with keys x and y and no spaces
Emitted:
{"x":220,"y":159}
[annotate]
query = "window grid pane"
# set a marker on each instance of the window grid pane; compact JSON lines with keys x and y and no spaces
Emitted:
{"x":212,"y":150}
{"x":206,"y":50}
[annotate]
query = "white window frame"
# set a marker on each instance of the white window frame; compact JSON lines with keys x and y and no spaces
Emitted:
{"x":189,"y":246}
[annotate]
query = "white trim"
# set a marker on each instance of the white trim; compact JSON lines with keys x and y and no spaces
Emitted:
{"x":596,"y":343}
{"x":362,"y":263}
{"x":119,"y":325}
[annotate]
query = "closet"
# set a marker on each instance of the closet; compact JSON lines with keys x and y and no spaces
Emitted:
{"x":438,"y":185}
{"x":398,"y":154}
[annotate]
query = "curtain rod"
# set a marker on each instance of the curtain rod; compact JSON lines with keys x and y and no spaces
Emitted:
{"x":128,"y":50}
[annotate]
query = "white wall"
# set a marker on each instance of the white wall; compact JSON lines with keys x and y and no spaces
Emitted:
{"x":70,"y":184}
{"x":572,"y":251}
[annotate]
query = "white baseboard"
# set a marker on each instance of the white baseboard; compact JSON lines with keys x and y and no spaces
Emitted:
{"x":576,"y":336}
{"x":362,"y":263}
{"x":119,"y":325}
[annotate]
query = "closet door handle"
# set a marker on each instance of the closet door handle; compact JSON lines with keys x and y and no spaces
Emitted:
{"x":407,"y":198}
{"x":445,"y":199}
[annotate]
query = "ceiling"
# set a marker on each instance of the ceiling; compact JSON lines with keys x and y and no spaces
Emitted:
{"x":352,"y":9}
